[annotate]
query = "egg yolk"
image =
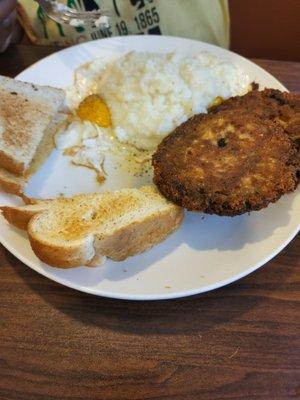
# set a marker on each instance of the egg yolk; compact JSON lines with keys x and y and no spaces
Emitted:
{"x":216,"y":102}
{"x":94,"y":109}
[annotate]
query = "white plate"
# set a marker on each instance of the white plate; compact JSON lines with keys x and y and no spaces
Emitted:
{"x":205,"y":253}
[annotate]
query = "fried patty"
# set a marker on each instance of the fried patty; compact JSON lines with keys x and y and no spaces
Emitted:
{"x":280,"y":107}
{"x":228,"y":162}
{"x":283,"y":108}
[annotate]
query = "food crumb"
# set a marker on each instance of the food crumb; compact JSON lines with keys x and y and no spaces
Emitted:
{"x":167,"y":287}
{"x":234,"y":353}
{"x":222,"y":142}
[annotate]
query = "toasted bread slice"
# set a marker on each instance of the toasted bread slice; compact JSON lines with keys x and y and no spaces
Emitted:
{"x":69,"y":232}
{"x":16,"y":184}
{"x":12,"y":183}
{"x":26,"y":111}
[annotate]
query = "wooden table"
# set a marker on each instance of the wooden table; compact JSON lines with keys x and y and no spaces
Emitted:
{"x":239,"y":342}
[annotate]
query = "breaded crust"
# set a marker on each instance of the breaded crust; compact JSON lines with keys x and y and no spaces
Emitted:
{"x":270,"y":104}
{"x":225,"y":163}
{"x":282,"y":108}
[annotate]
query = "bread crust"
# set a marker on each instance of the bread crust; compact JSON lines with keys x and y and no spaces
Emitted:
{"x":138,"y":237}
{"x":12,"y":165}
{"x":21,"y":216}
{"x":12,"y":183}
{"x":59,"y":255}
{"x":25,"y":111}
{"x":16,"y":184}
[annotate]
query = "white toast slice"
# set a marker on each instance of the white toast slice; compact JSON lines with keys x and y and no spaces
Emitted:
{"x":26,"y":110}
{"x":69,"y":232}
{"x":16,"y":184}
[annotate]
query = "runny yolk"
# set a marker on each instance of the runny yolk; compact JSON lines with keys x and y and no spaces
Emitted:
{"x":94,"y":109}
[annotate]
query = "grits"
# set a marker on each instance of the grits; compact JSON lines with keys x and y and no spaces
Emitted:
{"x":150,"y":94}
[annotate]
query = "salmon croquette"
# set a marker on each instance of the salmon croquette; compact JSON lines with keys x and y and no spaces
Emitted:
{"x":283,"y":108}
{"x":227,"y":162}
{"x":271,"y":104}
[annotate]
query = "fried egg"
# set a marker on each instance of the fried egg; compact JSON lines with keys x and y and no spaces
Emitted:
{"x":86,"y":143}
{"x":94,"y":109}
{"x":138,"y":98}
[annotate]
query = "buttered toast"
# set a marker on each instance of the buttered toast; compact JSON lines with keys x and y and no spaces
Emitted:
{"x":26,"y":111}
{"x":69,"y":232}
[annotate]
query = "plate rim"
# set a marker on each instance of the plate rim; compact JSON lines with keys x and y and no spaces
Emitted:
{"x":150,"y":297}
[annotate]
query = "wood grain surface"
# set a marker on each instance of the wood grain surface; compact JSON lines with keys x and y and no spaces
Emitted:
{"x":238,"y":342}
